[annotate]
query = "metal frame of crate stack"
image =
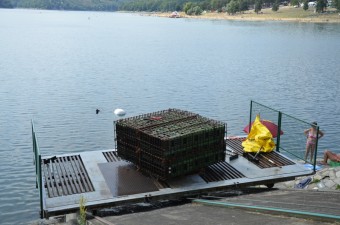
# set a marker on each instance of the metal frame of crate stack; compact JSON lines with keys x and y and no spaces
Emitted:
{"x":170,"y":143}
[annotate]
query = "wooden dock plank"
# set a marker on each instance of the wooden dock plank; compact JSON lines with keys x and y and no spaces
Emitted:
{"x":266,"y":160}
{"x":68,"y":175}
{"x":65,"y":176}
{"x":83,"y":171}
{"x":48,"y":183}
{"x":110,"y":156}
{"x":79,"y":171}
{"x":61,"y":181}
{"x":78,"y":163}
{"x":73,"y":174}
{"x":54,"y":178}
{"x":116,"y":155}
{"x":77,"y":175}
{"x":81,"y":174}
{"x":224,"y":172}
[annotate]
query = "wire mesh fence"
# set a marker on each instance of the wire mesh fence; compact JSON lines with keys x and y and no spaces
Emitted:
{"x":292,"y":141}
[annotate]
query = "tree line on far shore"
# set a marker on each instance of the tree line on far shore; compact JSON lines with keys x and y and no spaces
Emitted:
{"x":80,"y":5}
{"x":196,"y":7}
{"x":190,"y":7}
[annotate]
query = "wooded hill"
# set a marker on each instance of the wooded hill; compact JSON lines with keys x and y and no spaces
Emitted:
{"x":98,"y":5}
{"x":115,"y":5}
{"x":153,"y":5}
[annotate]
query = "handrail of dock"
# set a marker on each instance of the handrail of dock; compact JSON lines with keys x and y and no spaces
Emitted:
{"x":294,"y":129}
{"x":37,"y":163}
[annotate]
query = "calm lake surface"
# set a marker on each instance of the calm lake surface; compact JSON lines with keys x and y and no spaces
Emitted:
{"x":58,"y":67}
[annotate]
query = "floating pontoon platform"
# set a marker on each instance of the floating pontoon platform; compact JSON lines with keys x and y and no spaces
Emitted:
{"x":105,"y":180}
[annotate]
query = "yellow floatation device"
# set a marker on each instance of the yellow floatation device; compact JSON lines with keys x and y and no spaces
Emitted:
{"x":259,"y":138}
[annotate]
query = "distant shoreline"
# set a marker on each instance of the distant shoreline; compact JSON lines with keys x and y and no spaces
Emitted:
{"x":286,"y":13}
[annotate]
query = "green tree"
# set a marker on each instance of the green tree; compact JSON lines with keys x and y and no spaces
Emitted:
{"x":243,"y":5}
{"x":194,"y":10}
{"x":218,"y":4}
{"x":5,"y":4}
{"x":336,"y":4}
{"x":187,"y":6}
{"x":267,"y":3}
{"x":258,"y":6}
{"x":275,"y":7}
{"x":205,"y":5}
{"x":103,"y":5}
{"x":190,"y":12}
{"x":232,"y":7}
{"x":305,"y":5}
{"x":197,"y":10}
{"x":320,"y":6}
{"x":294,"y":2}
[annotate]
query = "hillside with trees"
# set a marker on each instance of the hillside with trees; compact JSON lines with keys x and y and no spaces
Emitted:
{"x":97,"y":5}
{"x":190,"y":7}
{"x":6,"y":4}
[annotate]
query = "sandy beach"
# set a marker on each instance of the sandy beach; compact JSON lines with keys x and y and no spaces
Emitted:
{"x":285,"y":13}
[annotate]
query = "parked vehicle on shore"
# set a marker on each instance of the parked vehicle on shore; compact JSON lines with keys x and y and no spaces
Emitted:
{"x":311,"y":4}
{"x":175,"y":14}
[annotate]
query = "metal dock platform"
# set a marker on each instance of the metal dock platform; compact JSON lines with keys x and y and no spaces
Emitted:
{"x":105,"y":180}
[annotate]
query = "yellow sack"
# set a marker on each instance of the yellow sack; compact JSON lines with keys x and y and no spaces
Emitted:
{"x":259,"y":138}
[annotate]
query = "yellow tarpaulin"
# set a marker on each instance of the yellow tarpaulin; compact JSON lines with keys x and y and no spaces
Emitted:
{"x":259,"y":138}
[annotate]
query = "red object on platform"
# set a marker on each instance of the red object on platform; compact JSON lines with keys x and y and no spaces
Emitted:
{"x":272,"y":127}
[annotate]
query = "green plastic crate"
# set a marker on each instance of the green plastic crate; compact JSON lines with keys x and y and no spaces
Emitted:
{"x":152,"y":141}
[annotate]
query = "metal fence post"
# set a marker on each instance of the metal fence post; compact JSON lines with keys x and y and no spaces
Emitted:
{"x":38,"y":173}
{"x":226,"y":130}
{"x":40,"y":188}
{"x":33,"y":139}
{"x":114,"y":135}
{"x":278,"y":132}
{"x":251,"y":109}
{"x":316,"y":148}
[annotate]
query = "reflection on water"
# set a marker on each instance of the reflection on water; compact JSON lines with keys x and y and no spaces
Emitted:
{"x":59,"y":67}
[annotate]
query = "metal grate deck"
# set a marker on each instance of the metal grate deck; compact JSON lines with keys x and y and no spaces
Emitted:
{"x":220,"y":171}
{"x":112,"y":156}
{"x":65,"y":176}
{"x":266,"y":160}
{"x":107,"y":184}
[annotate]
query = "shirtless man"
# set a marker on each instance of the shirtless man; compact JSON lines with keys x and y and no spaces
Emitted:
{"x":330,"y":155}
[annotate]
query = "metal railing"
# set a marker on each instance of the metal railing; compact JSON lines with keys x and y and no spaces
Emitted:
{"x":37,"y":163}
{"x":293,"y":140}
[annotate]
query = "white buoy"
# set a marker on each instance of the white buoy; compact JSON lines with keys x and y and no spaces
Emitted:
{"x":119,"y":112}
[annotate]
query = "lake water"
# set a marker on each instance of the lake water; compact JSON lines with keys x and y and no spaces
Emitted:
{"x":58,"y":67}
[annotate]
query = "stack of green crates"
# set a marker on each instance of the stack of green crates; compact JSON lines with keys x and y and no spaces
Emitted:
{"x":170,"y":143}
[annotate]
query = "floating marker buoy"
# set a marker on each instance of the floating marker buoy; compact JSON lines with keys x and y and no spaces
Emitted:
{"x":119,"y":112}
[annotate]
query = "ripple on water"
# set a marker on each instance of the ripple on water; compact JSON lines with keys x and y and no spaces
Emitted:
{"x":53,"y":79}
